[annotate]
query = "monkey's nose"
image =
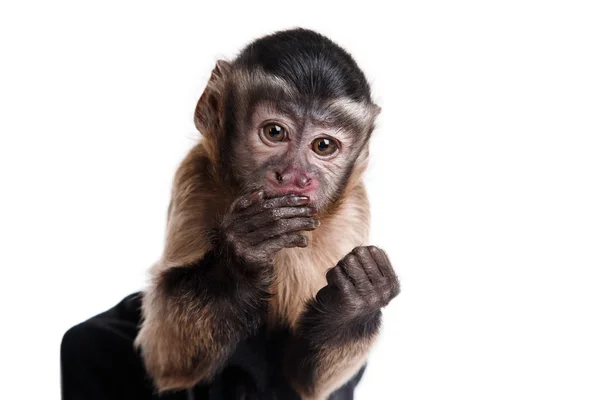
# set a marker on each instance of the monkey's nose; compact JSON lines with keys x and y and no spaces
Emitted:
{"x":278,"y":177}
{"x":302,"y":181}
{"x":293,"y":177}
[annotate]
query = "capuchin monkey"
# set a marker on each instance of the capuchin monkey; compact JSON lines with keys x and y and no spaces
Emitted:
{"x":267,"y":288}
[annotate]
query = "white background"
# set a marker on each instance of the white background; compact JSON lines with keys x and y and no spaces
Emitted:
{"x":484,"y":178}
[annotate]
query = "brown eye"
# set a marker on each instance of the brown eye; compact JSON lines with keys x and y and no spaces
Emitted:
{"x":274,"y":132}
{"x":324,"y":146}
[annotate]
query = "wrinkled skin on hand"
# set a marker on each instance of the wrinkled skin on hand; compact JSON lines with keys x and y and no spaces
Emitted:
{"x":255,"y":228}
{"x":359,"y":285}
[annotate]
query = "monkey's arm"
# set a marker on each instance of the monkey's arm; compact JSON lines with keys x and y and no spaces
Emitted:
{"x":336,"y":331}
{"x":194,"y":315}
{"x":324,"y":354}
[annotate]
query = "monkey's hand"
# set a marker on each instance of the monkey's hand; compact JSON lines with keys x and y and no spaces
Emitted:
{"x":358,"y":287}
{"x":256,"y":228}
{"x":337,"y":329}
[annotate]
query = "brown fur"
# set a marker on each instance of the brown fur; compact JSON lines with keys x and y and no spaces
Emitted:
{"x":337,"y":365}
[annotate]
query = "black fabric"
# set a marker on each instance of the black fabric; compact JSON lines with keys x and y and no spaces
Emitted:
{"x":99,"y":362}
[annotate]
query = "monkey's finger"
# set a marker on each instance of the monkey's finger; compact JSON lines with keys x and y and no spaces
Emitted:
{"x":390,"y":286}
{"x":382,"y":260}
{"x":282,"y":226}
{"x":358,"y":277}
{"x":336,"y":277}
{"x":273,"y":214}
{"x":369,"y":265}
{"x":290,"y":200}
{"x":245,"y":201}
{"x":327,"y":295}
{"x":284,"y":241}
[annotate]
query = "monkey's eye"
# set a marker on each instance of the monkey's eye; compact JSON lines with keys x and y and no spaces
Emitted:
{"x":274,"y":132}
{"x":324,"y":146}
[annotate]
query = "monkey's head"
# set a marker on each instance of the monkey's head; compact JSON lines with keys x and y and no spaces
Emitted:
{"x":291,"y":114}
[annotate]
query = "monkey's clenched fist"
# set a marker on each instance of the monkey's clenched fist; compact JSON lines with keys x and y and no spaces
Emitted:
{"x":359,"y":285}
{"x":255,"y":228}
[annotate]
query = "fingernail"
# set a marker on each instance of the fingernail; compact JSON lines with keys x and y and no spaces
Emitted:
{"x":255,"y":195}
{"x":302,"y":200}
{"x":312,"y":211}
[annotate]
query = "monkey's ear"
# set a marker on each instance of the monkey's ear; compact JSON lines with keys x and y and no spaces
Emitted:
{"x":375,"y":109}
{"x":209,"y":111}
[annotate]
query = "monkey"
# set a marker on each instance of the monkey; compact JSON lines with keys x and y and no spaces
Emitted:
{"x":266,"y":265}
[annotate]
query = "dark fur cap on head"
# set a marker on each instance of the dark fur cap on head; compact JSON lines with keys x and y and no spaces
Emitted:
{"x":309,"y":61}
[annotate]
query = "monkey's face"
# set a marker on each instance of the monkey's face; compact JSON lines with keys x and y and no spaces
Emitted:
{"x":292,"y":149}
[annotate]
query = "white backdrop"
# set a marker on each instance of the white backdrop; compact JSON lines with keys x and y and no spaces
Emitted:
{"x":484,"y":178}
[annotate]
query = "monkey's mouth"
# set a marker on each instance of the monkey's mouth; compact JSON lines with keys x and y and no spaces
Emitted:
{"x":280,"y":191}
{"x":284,"y":190}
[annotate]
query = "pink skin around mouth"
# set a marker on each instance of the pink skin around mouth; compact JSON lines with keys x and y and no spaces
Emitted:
{"x":274,"y":189}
